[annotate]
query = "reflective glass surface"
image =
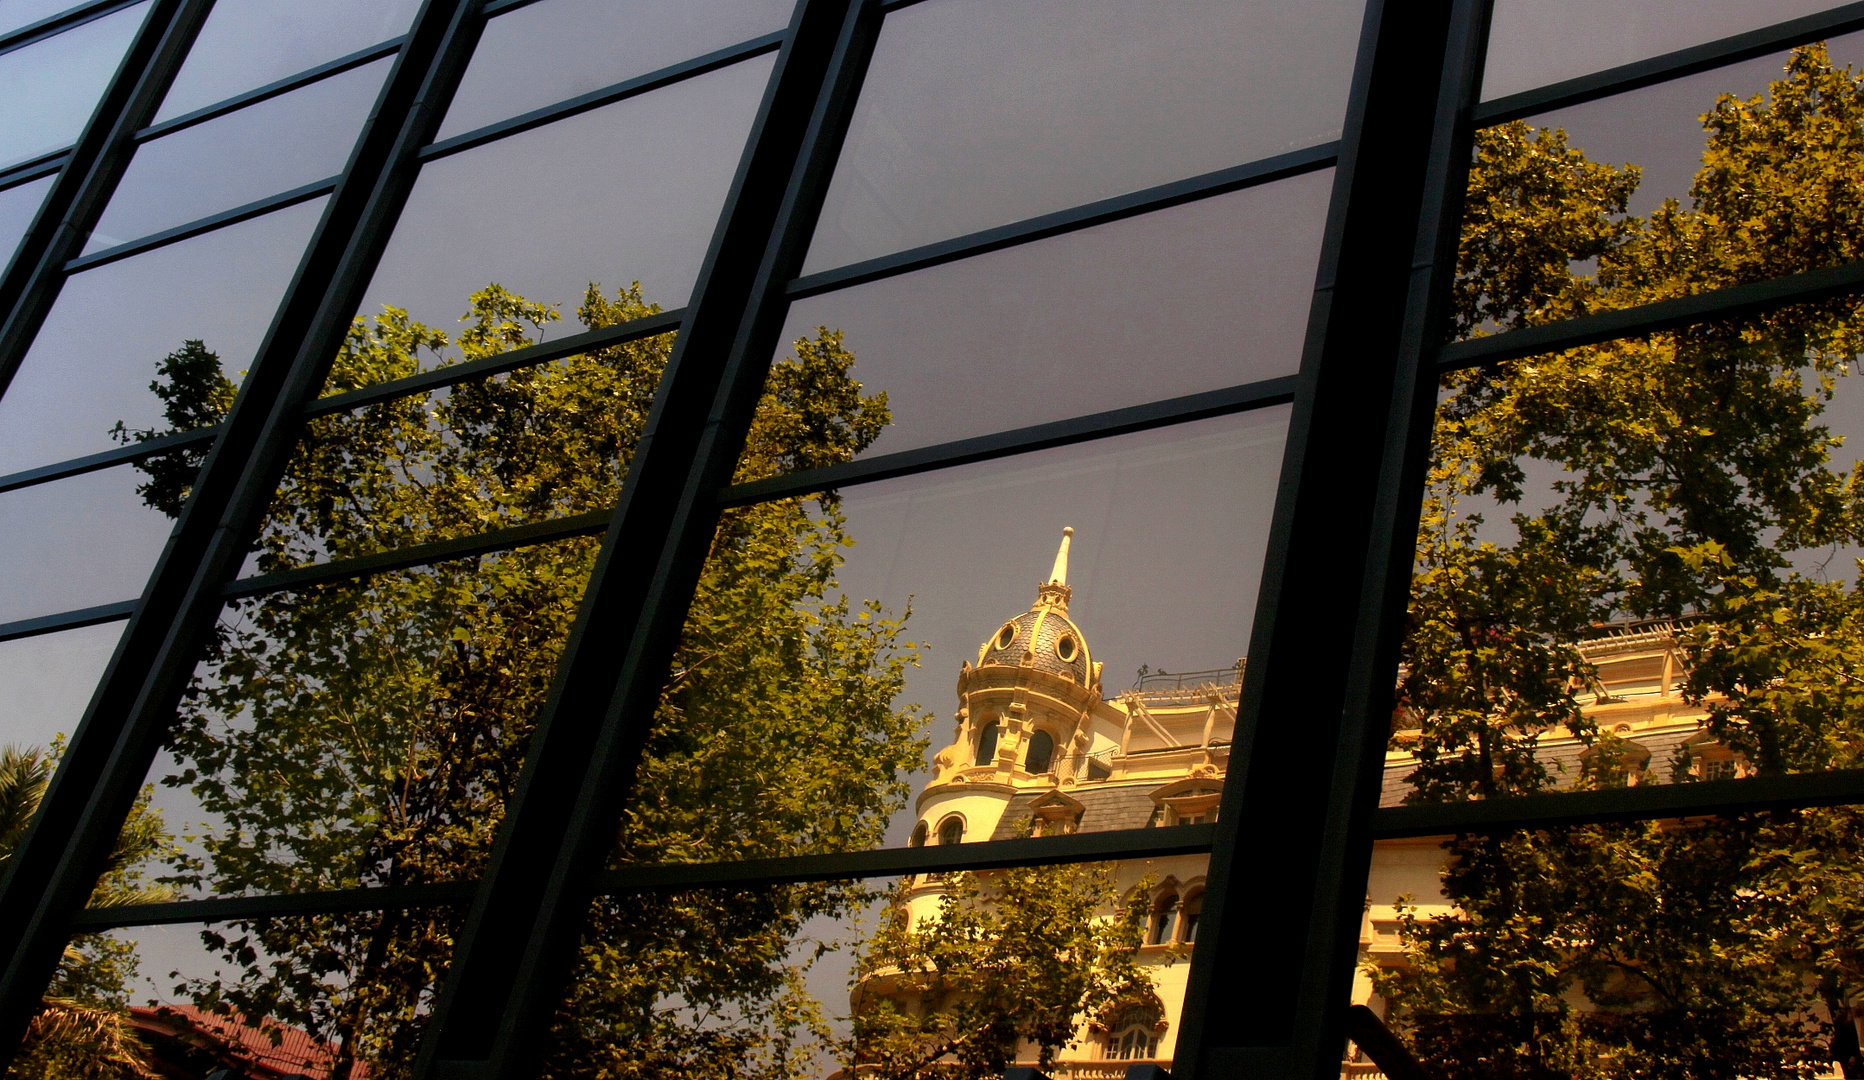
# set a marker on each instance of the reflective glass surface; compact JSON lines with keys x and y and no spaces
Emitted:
{"x":1210,"y":294}
{"x":46,"y":682}
{"x":76,"y":543}
{"x":298,"y":995}
{"x":108,"y":335}
{"x":845,"y":978}
{"x":51,"y":86}
{"x":17,"y":207}
{"x":259,"y":151}
{"x":17,"y":13}
{"x":975,"y":114}
{"x":247,"y":44}
{"x":551,"y":51}
{"x":1537,"y":42}
{"x":849,"y":631}
{"x":607,"y":197}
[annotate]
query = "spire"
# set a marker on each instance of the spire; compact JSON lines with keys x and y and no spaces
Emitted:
{"x":1055,"y":592}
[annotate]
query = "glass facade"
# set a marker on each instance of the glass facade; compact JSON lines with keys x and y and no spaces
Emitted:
{"x":915,"y":538}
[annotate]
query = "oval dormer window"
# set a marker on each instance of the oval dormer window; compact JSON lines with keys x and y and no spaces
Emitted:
{"x":1006,"y":635}
{"x":1066,"y":648}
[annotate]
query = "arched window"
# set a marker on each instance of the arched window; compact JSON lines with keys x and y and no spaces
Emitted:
{"x":951,"y":830}
{"x":1132,"y":1033}
{"x":987,"y":744}
{"x":1164,"y":926}
{"x":919,"y":835}
{"x":1041,"y":752}
{"x":1188,"y":918}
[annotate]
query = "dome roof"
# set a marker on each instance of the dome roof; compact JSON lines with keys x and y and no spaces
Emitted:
{"x":1044,"y":631}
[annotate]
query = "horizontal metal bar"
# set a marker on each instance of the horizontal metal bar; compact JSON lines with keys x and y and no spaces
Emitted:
{"x":888,"y":862}
{"x":37,"y":168}
{"x":530,"y":356}
{"x":392,"y":898}
{"x":53,"y":25}
{"x":208,"y":224}
{"x":1675,"y":65}
{"x":1149,"y":200}
{"x":541,"y":532}
{"x":1707,"y":798}
{"x":122,"y":455}
{"x":608,"y":95}
{"x":1179,"y":410}
{"x":67,"y":620}
{"x":271,"y":90}
{"x":1733,"y":302}
{"x":499,"y":7}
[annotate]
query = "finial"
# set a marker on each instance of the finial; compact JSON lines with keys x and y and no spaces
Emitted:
{"x":1055,"y":592}
{"x":1059,"y":576}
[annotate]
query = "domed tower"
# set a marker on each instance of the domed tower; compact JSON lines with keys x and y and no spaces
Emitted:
{"x":1025,"y":718}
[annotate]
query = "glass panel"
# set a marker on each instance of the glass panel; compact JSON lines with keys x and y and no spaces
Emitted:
{"x":366,"y":732}
{"x":46,"y":682}
{"x":1537,"y":42}
{"x":814,"y":617}
{"x":115,"y":327}
{"x":289,"y":996}
{"x":52,"y":86}
{"x":976,"y":114}
{"x":259,"y":151}
{"x":1211,"y":294}
{"x":76,"y":543}
{"x":1678,"y":948}
{"x":608,"y":197}
{"x":247,"y":44}
{"x":17,"y":207}
{"x":1568,"y":219}
{"x":873,"y":977}
{"x":17,"y":13}
{"x":552,"y":51}
{"x":1637,"y":564}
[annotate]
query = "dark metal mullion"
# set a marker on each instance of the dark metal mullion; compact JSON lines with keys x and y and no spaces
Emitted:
{"x":1259,"y":1005}
{"x":1675,"y":65}
{"x":66,"y":620}
{"x":53,"y":25}
{"x":55,"y":867}
{"x":1158,"y":414}
{"x":271,"y":90}
{"x":190,"y":230}
{"x":89,"y":176}
{"x":608,"y":95}
{"x":277,"y":905}
{"x":1118,"y":208}
{"x":123,"y":455}
{"x":522,"y":933}
{"x":36,"y":169}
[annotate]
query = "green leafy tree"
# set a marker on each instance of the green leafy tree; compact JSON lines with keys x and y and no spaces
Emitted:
{"x":370,"y":733}
{"x":1689,"y":469}
{"x":1011,"y":957}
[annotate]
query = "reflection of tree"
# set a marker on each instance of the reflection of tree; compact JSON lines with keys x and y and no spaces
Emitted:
{"x":1690,"y":467}
{"x":1008,"y":957}
{"x":370,"y":733}
{"x":82,"y":1029}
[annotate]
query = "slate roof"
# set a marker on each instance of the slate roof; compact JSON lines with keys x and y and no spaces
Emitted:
{"x":1562,"y":760}
{"x":1126,"y":806}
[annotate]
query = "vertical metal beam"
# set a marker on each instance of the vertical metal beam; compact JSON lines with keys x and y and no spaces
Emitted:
{"x":1269,"y":983}
{"x":521,"y":934}
{"x":32,"y":280}
{"x":58,"y":862}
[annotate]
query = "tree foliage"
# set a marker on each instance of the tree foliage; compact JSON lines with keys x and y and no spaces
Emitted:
{"x":1682,"y":476}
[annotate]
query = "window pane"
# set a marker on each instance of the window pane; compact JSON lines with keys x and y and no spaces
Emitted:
{"x":1537,"y":42}
{"x":259,"y":151}
{"x":249,"y":43}
{"x":552,"y":51}
{"x":975,"y":114}
{"x":52,"y":86}
{"x":832,"y":632}
{"x":113,"y":326}
{"x":46,"y":682}
{"x":17,"y":13}
{"x":76,"y":543}
{"x":608,"y":197}
{"x":836,"y":978}
{"x":1673,"y":948}
{"x":298,"y":995}
{"x":1210,"y":294}
{"x":17,"y":207}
